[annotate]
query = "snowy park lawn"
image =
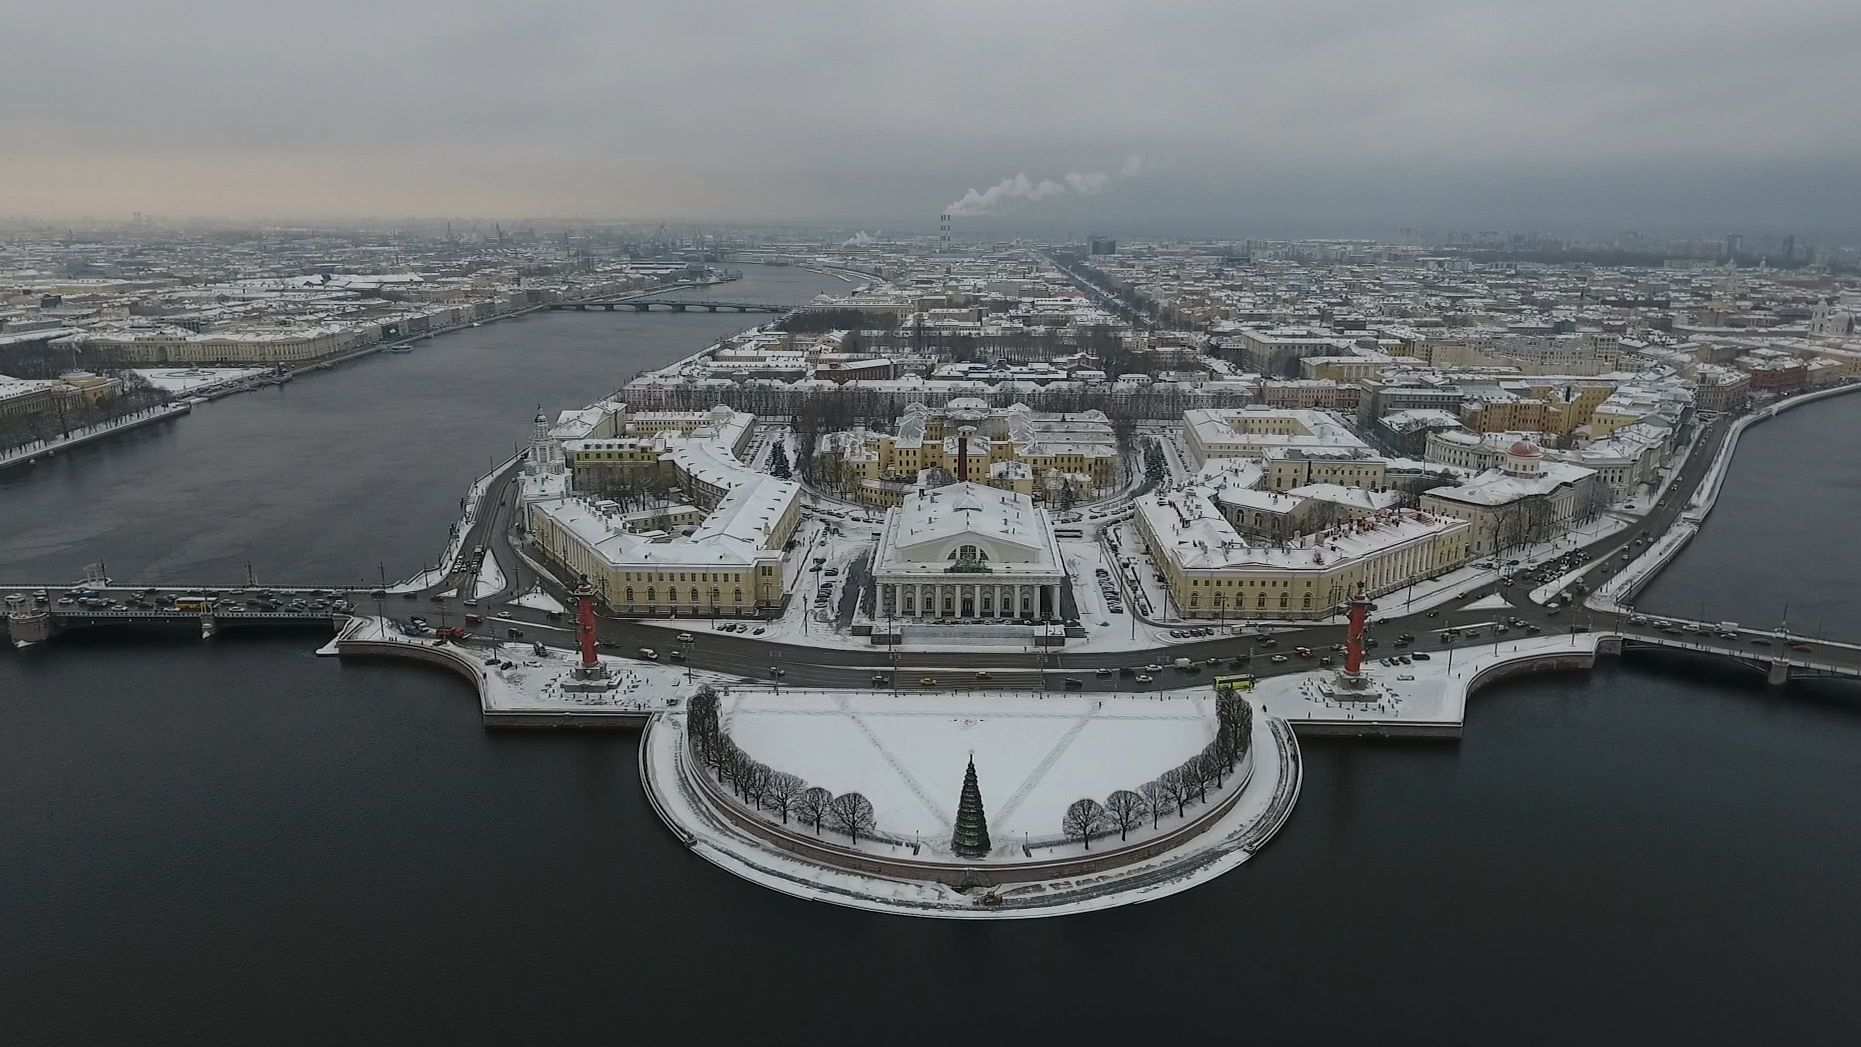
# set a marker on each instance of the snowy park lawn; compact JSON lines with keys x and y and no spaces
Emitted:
{"x":538,"y":600}
{"x":906,"y":753}
{"x":194,"y":379}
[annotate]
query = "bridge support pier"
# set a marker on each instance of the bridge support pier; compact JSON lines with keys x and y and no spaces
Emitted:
{"x":1779,"y":673}
{"x":209,"y":627}
{"x":26,"y":624}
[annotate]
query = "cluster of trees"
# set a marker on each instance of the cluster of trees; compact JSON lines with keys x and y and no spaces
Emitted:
{"x":1156,"y":466}
{"x":63,"y":416}
{"x":778,"y":462}
{"x":632,"y":486}
{"x":766,"y":789}
{"x":821,"y":321}
{"x":1173,"y":790}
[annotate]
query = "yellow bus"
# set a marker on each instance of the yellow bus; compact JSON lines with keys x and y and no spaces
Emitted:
{"x":1234,"y":682}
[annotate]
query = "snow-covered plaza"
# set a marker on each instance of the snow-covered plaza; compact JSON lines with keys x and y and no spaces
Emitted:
{"x":1034,"y":758}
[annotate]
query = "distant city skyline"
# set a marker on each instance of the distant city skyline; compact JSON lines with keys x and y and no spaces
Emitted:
{"x":1349,"y":118}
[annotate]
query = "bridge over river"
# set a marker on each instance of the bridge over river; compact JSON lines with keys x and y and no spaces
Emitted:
{"x":676,"y":305}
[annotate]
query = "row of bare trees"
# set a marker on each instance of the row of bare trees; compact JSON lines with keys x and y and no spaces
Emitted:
{"x":64,"y":415}
{"x":767,"y":789}
{"x":1173,"y":790}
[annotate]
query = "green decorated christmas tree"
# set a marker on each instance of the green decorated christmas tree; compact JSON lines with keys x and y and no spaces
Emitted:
{"x":971,"y":839}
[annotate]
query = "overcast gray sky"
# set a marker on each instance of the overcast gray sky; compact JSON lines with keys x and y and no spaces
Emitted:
{"x":1318,"y":116}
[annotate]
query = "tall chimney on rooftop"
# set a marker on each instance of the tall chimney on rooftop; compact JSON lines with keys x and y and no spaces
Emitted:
{"x":962,"y":452}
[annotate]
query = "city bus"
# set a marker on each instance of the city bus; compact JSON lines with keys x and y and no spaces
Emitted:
{"x":1234,"y":682}
{"x":192,"y":602}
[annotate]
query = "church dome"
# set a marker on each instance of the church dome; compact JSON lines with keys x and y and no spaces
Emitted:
{"x":1525,"y":449}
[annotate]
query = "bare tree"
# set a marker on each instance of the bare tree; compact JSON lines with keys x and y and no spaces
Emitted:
{"x":1127,"y":810}
{"x":1213,"y":764}
{"x":1157,"y":798}
{"x":1176,"y":787}
{"x":812,"y":806}
{"x":781,"y":792}
{"x":1194,"y":781}
{"x":1082,"y":819}
{"x":725,"y":758}
{"x":756,"y":778}
{"x":851,"y":813}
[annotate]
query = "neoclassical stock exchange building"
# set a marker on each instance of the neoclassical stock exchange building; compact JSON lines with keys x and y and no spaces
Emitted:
{"x":968,"y":551}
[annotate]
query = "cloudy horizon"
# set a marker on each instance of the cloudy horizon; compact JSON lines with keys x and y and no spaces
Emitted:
{"x":1334,"y":118}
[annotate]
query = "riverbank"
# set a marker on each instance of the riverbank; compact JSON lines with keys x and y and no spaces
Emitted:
{"x":520,"y":686}
{"x":1620,"y":590}
{"x":32,"y":453}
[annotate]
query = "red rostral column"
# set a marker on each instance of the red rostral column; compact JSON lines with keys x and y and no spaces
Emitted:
{"x":1353,"y":639}
{"x":584,"y":612}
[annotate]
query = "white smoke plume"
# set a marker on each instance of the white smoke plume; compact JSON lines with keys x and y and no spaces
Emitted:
{"x":1021,"y":189}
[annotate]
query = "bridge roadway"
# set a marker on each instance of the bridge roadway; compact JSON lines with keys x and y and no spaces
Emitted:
{"x":804,"y":665}
{"x":677,"y":305}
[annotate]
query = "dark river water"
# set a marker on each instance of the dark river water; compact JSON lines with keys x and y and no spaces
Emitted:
{"x":1779,"y":546}
{"x":240,"y":842}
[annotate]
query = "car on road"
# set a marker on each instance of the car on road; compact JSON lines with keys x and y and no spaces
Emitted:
{"x":1144,"y":677}
{"x":685,"y":638}
{"x":1279,"y":659}
{"x":760,"y":630}
{"x":777,"y":671}
{"x":473,"y":619}
{"x":1760,"y":641}
{"x":1104,"y":672}
{"x":1153,"y":667}
{"x":983,"y":674}
{"x":1074,"y":681}
{"x":927,"y":681}
{"x":677,"y":656}
{"x":880,"y":678}
{"x":1421,"y":656}
{"x":1798,"y":645}
{"x":649,"y":654}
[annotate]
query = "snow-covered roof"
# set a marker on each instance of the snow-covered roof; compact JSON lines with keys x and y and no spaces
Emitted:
{"x":924,"y":533}
{"x":1195,"y":534}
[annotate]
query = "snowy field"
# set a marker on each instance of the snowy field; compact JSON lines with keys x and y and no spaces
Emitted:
{"x":180,"y":380}
{"x":538,"y":600}
{"x":906,"y":753}
{"x":1266,"y":801}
